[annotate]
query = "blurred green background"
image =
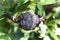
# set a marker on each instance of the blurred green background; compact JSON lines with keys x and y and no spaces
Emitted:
{"x":47,"y":30}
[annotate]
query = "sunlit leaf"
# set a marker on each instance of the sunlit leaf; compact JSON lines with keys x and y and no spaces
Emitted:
{"x":53,"y":35}
{"x":46,"y":2}
{"x":4,"y":36}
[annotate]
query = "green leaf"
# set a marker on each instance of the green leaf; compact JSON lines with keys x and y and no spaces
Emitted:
{"x":57,"y":12}
{"x":50,"y":22}
{"x":47,"y":2}
{"x":41,"y":11}
{"x":32,"y":6}
{"x":26,"y":36}
{"x":6,"y":4}
{"x":53,"y":35}
{"x":17,"y":35}
{"x":4,"y":36}
{"x":1,"y":9}
{"x":23,"y":6}
{"x":4,"y":25}
{"x":49,"y":17}
{"x":57,"y":16}
{"x":52,"y":25}
{"x":1,"y":13}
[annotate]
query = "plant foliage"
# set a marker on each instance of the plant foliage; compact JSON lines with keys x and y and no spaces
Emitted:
{"x":11,"y":9}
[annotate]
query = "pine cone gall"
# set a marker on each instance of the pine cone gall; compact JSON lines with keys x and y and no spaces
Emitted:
{"x":28,"y":21}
